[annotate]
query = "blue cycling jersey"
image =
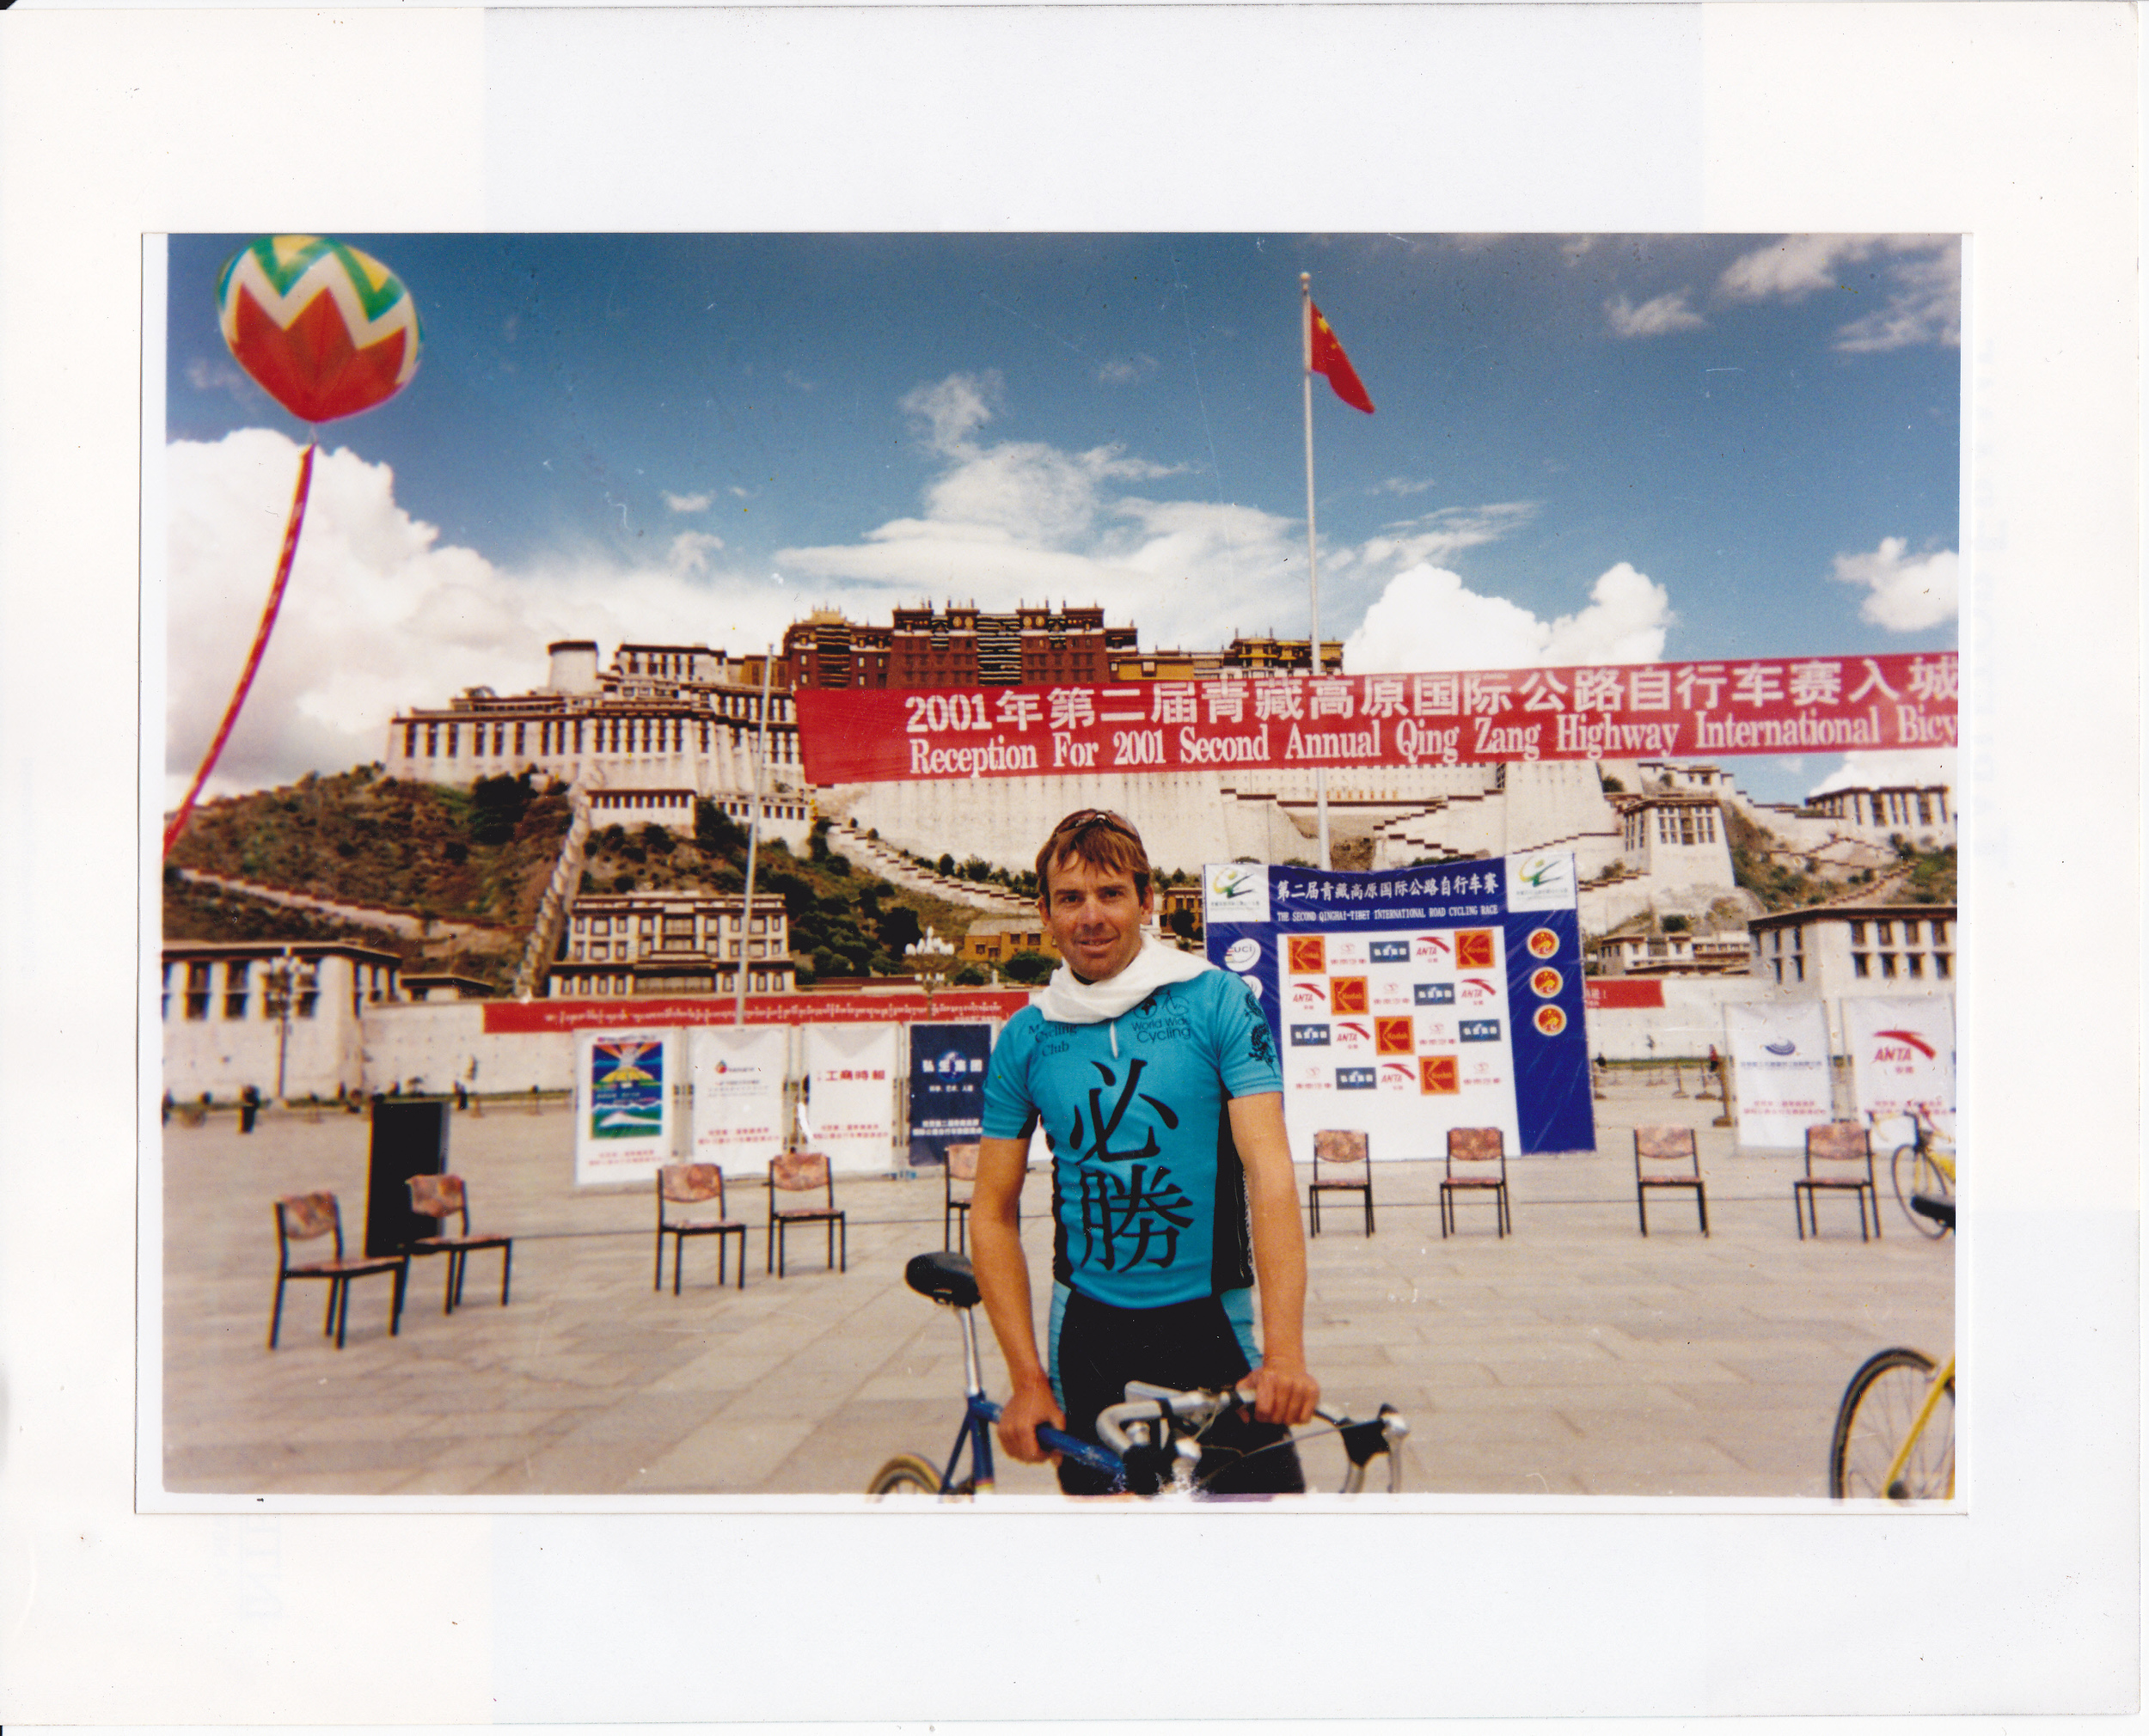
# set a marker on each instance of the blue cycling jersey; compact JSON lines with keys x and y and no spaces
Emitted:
{"x":1148,"y":1196}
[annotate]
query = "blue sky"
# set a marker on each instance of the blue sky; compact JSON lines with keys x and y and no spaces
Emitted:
{"x":1586,"y":448}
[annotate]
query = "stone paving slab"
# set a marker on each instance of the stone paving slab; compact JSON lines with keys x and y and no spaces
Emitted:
{"x":1574,"y":1357}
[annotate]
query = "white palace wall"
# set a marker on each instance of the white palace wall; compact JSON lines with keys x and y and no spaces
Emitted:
{"x":429,"y":1046}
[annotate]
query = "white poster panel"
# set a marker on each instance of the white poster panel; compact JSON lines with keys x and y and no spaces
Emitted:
{"x":1902,"y":1052}
{"x":1780,"y":1052}
{"x":850,"y":1108}
{"x":738,"y":1106}
{"x":1401,"y":1034}
{"x":622,"y":1103}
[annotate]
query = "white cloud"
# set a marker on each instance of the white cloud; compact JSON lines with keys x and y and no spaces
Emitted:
{"x":1920,"y":276}
{"x":1127,"y":371}
{"x":380,"y":614}
{"x":1654,"y":318}
{"x":1578,"y":249}
{"x":1904,"y":596}
{"x":1436,"y":536}
{"x":206,"y":375}
{"x":946,"y":414}
{"x":1891,"y":769}
{"x":686,"y":503}
{"x":1428,"y":619}
{"x":690,"y":550}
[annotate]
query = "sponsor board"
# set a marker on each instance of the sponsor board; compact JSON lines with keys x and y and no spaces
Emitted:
{"x":1422,"y":991}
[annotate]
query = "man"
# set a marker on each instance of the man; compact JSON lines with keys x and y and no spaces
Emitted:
{"x":1156,"y":1080}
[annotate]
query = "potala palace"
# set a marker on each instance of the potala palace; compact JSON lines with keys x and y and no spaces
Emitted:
{"x":640,"y":739}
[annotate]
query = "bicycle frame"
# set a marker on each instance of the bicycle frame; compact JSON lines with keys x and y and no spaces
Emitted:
{"x":979,"y":1413}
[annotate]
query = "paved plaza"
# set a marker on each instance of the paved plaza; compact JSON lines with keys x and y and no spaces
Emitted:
{"x":1574,"y":1357}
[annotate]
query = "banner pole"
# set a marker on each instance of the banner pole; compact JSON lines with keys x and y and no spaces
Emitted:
{"x":753,"y":839}
{"x":1313,"y":558}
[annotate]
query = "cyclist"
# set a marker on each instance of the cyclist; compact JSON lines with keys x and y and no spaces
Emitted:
{"x":1157,"y":1083}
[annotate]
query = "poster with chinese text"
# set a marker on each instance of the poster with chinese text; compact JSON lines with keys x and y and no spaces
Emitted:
{"x":622,"y":1104}
{"x":738,"y":1102}
{"x":850,"y":1109}
{"x":1409,"y":1001}
{"x":1779,"y":1050}
{"x":948,"y":1087}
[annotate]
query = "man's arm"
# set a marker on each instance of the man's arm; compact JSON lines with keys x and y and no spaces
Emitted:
{"x":1284,"y":1392}
{"x":1004,"y":1283}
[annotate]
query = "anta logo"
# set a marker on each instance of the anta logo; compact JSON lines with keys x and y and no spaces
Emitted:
{"x":1434,"y":995}
{"x":1480,"y":1030}
{"x":1397,"y":1076}
{"x":1431,"y":948}
{"x":1781,"y":1047}
{"x":1309,"y":1036}
{"x":1351,"y":1034}
{"x":1909,"y":1037}
{"x":1391,"y":952}
{"x":1354,"y":1078}
{"x":1310,"y":997}
{"x":1476,"y":991}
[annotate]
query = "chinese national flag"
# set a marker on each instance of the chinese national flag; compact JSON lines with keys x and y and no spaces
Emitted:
{"x":1329,"y":359}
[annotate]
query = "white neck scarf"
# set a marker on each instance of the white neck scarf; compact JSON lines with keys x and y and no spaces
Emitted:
{"x":1066,"y":999}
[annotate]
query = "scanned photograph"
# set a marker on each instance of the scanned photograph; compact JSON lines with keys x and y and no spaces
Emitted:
{"x":905,"y":868}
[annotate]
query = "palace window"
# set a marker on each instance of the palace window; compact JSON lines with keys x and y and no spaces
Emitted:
{"x":1799,"y":965}
{"x":1943,"y":964}
{"x":1910,"y":933}
{"x":1858,"y":934}
{"x":234,"y":988}
{"x":1939,"y":934}
{"x":1861,"y":964}
{"x":1915,"y":964}
{"x":1887,"y":935}
{"x":306,"y":981}
{"x":198,"y":989}
{"x":1888,"y":965}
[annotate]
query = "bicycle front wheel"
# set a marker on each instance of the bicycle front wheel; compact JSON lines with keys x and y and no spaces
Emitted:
{"x":1916,"y":1172}
{"x":1878,"y":1409}
{"x":909,"y":1475}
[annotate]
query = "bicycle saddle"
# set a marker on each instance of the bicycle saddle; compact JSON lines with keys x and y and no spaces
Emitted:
{"x":944,"y":1277}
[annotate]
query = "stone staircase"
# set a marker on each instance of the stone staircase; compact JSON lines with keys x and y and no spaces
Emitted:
{"x":559,"y":895}
{"x":892,"y":865}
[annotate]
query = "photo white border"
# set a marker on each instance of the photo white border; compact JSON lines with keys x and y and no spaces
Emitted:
{"x":2015,"y":124}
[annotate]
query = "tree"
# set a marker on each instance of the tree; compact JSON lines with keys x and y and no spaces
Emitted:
{"x":899,"y":927}
{"x":970,"y":977}
{"x":657,"y":840}
{"x":715,"y":833}
{"x":1027,"y":967}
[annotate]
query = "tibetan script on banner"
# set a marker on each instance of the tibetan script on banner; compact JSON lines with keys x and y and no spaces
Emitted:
{"x":1626,"y":712}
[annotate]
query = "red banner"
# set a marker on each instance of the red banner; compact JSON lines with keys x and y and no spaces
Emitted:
{"x":1286,"y":723}
{"x":523,"y":1017}
{"x":1622,"y":991}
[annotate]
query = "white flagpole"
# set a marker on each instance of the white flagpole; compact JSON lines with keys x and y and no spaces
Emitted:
{"x":753,"y":840}
{"x":1313,"y":558}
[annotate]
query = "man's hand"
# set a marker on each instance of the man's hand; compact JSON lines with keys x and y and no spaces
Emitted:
{"x":1030,"y":1405}
{"x":1283,"y":1391}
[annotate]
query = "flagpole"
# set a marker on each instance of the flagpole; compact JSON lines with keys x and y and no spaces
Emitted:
{"x":753,"y":839}
{"x":1313,"y":556}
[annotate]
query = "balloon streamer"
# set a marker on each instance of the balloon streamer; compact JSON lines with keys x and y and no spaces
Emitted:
{"x":178,"y":823}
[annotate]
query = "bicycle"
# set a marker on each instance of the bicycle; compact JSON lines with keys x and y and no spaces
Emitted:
{"x":1152,"y":1439}
{"x":1925,"y":1169}
{"x":1894,"y":1431}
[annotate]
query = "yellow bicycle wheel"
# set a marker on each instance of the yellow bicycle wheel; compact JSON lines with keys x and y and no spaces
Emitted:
{"x":909,"y":1475}
{"x":1878,"y":1409}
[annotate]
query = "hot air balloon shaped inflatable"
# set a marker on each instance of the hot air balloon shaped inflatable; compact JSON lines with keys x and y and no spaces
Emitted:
{"x":327,"y":331}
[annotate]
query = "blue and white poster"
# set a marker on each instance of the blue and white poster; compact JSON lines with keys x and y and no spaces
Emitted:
{"x":1408,"y":1001}
{"x":622,"y":1103}
{"x":948,"y":1087}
